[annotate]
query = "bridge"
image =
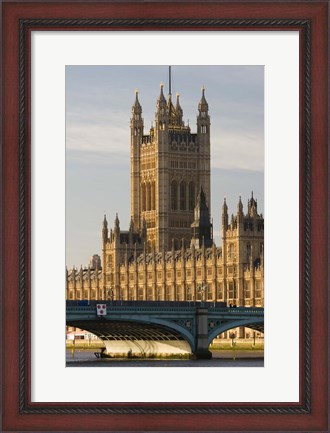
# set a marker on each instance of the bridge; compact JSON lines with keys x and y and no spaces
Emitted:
{"x":158,"y":327}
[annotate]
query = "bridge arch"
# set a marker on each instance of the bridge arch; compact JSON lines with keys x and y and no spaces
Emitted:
{"x":160,"y":329}
{"x":184,"y":332}
{"x":258,"y":323}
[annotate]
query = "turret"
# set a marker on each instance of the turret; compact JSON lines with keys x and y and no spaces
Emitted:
{"x":136,"y":119}
{"x":201,"y":227}
{"x":105,"y":230}
{"x":224,"y":217}
{"x":252,"y":207}
{"x":130,"y":232}
{"x":240,"y":215}
{"x":161,"y":112}
{"x":203,"y":118}
{"x":178,"y":110}
{"x":116,"y":230}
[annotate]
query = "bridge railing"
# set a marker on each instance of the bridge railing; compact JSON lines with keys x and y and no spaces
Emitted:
{"x":158,"y":305}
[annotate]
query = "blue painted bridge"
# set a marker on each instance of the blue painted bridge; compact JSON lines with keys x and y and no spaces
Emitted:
{"x":144,"y":327}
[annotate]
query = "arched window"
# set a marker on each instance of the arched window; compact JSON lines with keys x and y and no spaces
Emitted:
{"x":174,"y":195}
{"x":153,"y":197}
{"x":182,"y":196}
{"x":191,"y":196}
{"x":143,"y":196}
{"x":148,"y":197}
{"x":248,"y":251}
{"x":231,"y":251}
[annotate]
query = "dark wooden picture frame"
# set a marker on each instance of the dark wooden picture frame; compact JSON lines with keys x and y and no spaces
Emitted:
{"x":19,"y":19}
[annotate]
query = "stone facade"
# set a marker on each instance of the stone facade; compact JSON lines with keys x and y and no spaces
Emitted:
{"x":233,"y":273}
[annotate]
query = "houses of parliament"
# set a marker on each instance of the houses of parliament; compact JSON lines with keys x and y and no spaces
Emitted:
{"x":168,"y":252}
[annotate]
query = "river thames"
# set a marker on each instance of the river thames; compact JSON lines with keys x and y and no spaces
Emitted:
{"x":243,"y":358}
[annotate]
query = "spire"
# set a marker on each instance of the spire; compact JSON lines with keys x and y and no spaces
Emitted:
{"x":130,"y":232}
{"x":137,"y":103}
{"x":224,"y":217}
{"x":252,"y":206}
{"x":169,"y":81}
{"x":136,"y":108}
{"x":203,"y":106}
{"x":240,"y":211}
{"x":105,"y":229}
{"x":224,"y":206}
{"x":201,"y":227}
{"x":161,"y":100}
{"x":178,"y":108}
{"x":240,"y":205}
{"x":105,"y":222}
{"x":117,"y":221}
{"x":117,"y":227}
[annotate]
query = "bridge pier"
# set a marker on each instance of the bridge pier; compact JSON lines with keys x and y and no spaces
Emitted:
{"x":202,"y":347}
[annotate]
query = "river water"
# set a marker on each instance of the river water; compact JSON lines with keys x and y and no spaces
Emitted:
{"x":244,"y":358}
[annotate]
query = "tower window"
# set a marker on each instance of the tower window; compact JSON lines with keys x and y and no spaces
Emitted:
{"x":143,"y":196}
{"x":191,"y":196}
{"x":231,"y":251}
{"x":248,"y":251}
{"x":182,"y":196}
{"x":174,"y":195}
{"x":203,"y":129}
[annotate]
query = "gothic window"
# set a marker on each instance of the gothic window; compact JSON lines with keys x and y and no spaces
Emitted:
{"x":174,"y":195}
{"x":248,"y":251}
{"x":246,"y":289}
{"x":182,"y":196}
{"x":148,"y":196}
{"x":231,"y":251}
{"x":191,"y":196}
{"x":143,"y":196}
{"x":203,"y":129}
{"x":231,"y":293}
{"x":219,"y":292}
{"x":258,"y":290}
{"x":153,"y":196}
{"x":137,"y":116}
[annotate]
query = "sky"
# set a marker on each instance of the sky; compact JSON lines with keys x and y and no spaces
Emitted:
{"x":99,"y":100}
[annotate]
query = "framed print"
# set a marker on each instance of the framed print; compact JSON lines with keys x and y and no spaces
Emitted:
{"x":60,"y":59}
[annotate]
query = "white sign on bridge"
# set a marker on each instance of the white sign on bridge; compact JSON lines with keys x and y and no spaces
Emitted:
{"x":101,"y":309}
